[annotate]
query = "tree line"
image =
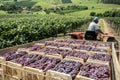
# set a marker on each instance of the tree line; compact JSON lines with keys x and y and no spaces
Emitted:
{"x":111,"y":1}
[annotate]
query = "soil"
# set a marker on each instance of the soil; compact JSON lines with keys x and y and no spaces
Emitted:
{"x":109,"y":30}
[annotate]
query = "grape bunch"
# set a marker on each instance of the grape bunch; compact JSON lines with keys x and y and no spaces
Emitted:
{"x":81,"y":42}
{"x":69,"y":41}
{"x":79,"y":54}
{"x":51,"y":43}
{"x":48,"y":50}
{"x":90,"y":43}
{"x":104,"y":45}
{"x":27,"y":59}
{"x":13,"y":55}
{"x":56,"y":44}
{"x":95,"y":71}
{"x":64,"y":40}
{"x":102,"y":57}
{"x":35,"y":48}
{"x":45,"y":63}
{"x":62,"y":52}
{"x":68,"y":67}
{"x":83,"y":47}
{"x":72,"y":46}
{"x":99,"y":50}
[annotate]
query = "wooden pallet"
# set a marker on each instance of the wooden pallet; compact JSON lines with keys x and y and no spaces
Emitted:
{"x":32,"y":74}
{"x":14,"y":70}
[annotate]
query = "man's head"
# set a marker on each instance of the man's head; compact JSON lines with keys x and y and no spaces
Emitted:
{"x":96,"y":20}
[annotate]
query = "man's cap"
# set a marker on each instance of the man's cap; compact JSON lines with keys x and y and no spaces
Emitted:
{"x":96,"y":19}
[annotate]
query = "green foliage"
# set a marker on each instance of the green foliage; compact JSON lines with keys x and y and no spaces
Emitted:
{"x":11,"y":8}
{"x":111,"y":1}
{"x":66,"y":1}
{"x":110,"y":13}
{"x":65,"y":10}
{"x":19,"y":29}
{"x":92,"y":13}
{"x":37,"y":8}
{"x":28,"y":4}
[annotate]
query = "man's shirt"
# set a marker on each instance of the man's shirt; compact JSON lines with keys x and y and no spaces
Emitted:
{"x":93,"y":26}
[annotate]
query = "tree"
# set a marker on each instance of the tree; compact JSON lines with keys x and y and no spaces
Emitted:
{"x":15,"y":0}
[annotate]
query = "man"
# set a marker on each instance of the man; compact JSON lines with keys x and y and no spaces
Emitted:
{"x":93,"y":30}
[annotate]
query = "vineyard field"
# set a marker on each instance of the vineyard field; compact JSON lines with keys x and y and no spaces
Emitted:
{"x":19,"y":29}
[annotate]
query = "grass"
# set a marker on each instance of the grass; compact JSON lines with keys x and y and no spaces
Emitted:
{"x":87,"y":12}
{"x":3,"y":12}
{"x":93,"y":5}
{"x":100,"y":8}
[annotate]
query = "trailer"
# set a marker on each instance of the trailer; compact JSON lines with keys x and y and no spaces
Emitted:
{"x":14,"y":71}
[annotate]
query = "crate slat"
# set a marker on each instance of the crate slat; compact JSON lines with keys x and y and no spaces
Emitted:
{"x":32,"y":74}
{"x":54,"y":75}
{"x":14,"y":70}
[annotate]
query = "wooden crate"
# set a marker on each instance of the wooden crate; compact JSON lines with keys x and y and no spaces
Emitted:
{"x":23,"y":49}
{"x":1,"y":74}
{"x":32,"y":74}
{"x":98,"y":62}
{"x":36,"y":74}
{"x":108,"y":51}
{"x":36,"y":52}
{"x":79,"y":77}
{"x":2,"y":62}
{"x":52,"y":47}
{"x":54,"y":56}
{"x":74,"y":58}
{"x":40,"y":44}
{"x":54,"y":75}
{"x":14,"y":70}
{"x":82,"y":51}
{"x":8,"y":77}
{"x":65,"y":48}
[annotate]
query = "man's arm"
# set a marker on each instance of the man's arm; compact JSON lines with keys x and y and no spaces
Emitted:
{"x":99,"y":31}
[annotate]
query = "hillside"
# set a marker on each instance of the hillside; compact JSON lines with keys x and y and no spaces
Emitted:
{"x":93,"y":5}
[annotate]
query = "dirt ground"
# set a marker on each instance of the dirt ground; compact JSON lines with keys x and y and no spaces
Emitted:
{"x":109,"y":30}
